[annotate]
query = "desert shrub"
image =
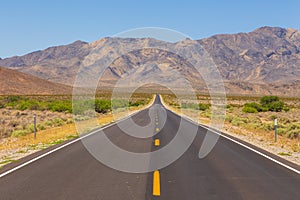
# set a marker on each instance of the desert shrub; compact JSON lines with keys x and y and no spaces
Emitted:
{"x":35,"y":105}
{"x":18,"y":133}
{"x":49,"y":123}
{"x":58,"y":122}
{"x":64,"y":106}
{"x":174,"y":104}
{"x":22,"y":103}
{"x":286,"y":109}
{"x":267,"y":100}
{"x":30,"y":128}
{"x":136,"y":103}
{"x":293,"y":126}
{"x":99,"y":105}
{"x":119,"y":103}
{"x":281,"y":131}
{"x":203,"y":106}
{"x":285,"y":120}
{"x":267,"y":126}
{"x":228,"y":118}
{"x":228,"y":106}
{"x":103,"y":106}
{"x":29,"y":104}
{"x":272,"y":117}
{"x":267,"y":103}
{"x":253,"y":126}
{"x":55,"y":104}
{"x":291,"y":130}
{"x":255,"y":105}
{"x":190,"y":106}
{"x":237,"y":121}
{"x":275,"y":106}
{"x":70,"y":121}
{"x":81,"y":118}
{"x":41,"y":127}
{"x":272,"y":103}
{"x":293,"y":133}
{"x":249,"y":110}
{"x":23,"y":106}
{"x":194,"y":106}
{"x":12,"y":99}
{"x":81,"y":106}
{"x":207,"y":114}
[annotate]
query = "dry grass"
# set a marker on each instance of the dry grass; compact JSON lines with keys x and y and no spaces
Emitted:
{"x":54,"y":134}
{"x":43,"y":137}
{"x":12,"y":120}
{"x":13,"y":148}
{"x":255,"y":128}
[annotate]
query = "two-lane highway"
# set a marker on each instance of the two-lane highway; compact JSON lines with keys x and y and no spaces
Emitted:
{"x":230,"y":171}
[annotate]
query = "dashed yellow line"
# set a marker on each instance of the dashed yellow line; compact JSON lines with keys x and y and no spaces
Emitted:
{"x":156,"y":183}
{"x":156,"y":176}
{"x":156,"y":142}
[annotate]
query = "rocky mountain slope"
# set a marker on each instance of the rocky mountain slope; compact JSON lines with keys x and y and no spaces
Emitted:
{"x":266,"y":55}
{"x":57,"y":64}
{"x":265,"y":61}
{"x":13,"y":82}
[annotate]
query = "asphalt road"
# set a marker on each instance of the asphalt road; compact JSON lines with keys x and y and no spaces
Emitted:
{"x":230,"y":171}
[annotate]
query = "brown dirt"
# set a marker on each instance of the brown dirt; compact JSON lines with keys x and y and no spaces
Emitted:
{"x":15,"y":82}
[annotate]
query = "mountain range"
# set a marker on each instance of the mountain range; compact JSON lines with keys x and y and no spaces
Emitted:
{"x":264,"y":61}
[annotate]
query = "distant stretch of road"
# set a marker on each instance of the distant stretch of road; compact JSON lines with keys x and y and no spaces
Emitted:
{"x":230,"y":171}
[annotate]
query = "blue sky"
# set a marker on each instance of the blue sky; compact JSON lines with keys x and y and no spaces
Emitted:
{"x":31,"y":25}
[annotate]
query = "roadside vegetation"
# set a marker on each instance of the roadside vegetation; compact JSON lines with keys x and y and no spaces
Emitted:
{"x":54,"y":104}
{"x":267,"y":103}
{"x":199,"y":106}
{"x":251,"y":113}
{"x":252,"y":119}
{"x":55,"y":120}
{"x":16,"y":112}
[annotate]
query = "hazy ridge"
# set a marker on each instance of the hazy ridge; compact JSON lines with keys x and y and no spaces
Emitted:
{"x":264,"y":61}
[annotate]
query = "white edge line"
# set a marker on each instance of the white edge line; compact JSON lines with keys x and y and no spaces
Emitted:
{"x":235,"y":141}
{"x":71,"y":142}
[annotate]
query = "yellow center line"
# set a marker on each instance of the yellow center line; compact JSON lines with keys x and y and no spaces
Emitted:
{"x":157,"y":129}
{"x":156,"y":183}
{"x":156,"y":142}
